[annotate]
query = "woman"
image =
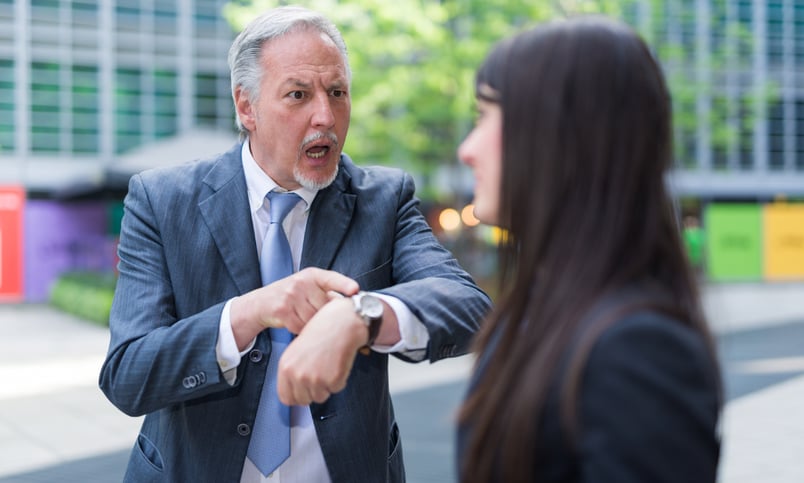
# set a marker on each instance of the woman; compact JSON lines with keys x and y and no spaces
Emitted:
{"x":596,"y":364}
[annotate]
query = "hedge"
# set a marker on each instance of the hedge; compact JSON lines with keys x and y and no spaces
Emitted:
{"x":87,"y":295}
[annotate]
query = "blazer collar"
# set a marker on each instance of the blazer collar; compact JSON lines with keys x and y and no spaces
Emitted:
{"x":225,"y":209}
{"x":329,"y":220}
{"x":226,"y":212}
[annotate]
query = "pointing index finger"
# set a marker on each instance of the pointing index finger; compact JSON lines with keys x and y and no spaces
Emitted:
{"x":335,"y":282}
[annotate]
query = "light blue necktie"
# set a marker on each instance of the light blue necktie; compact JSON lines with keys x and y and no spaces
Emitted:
{"x":270,"y":440}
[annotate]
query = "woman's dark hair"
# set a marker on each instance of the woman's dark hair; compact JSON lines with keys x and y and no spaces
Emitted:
{"x":586,"y":145}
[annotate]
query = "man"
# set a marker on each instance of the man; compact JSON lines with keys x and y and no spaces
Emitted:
{"x":188,"y":344}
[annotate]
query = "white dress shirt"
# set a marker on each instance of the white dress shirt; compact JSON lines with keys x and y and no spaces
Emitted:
{"x":306,"y":462}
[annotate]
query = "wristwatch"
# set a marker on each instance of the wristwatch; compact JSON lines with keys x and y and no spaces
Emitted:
{"x":370,"y":309}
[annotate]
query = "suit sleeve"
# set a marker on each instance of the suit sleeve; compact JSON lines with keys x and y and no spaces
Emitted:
{"x":154,"y":359}
{"x":431,"y":283}
{"x":649,"y":406}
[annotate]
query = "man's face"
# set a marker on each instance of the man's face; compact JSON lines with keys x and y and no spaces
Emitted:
{"x":298,"y":124}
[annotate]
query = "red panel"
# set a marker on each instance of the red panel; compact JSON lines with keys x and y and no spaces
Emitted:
{"x":12,"y":204}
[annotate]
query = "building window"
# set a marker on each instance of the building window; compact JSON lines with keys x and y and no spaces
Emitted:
{"x":127,"y":18}
{"x":776,"y":137}
{"x":128,"y":105}
{"x":165,"y":102}
{"x":6,"y":105}
{"x":45,"y":107}
{"x":206,"y":99}
{"x":207,"y":15}
{"x":85,"y":110}
{"x":799,"y":130}
{"x":85,"y":14}
{"x":165,"y":18}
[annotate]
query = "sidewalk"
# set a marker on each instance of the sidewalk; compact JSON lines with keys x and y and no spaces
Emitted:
{"x":51,"y":411}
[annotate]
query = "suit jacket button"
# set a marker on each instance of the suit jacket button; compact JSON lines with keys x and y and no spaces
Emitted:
{"x":243,"y":429}
{"x":190,"y":382}
{"x":255,"y":355}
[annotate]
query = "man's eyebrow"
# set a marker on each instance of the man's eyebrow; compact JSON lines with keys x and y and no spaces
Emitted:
{"x":335,"y":84}
{"x":297,"y":83}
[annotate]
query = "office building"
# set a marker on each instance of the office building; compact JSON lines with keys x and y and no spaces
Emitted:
{"x":83,"y":82}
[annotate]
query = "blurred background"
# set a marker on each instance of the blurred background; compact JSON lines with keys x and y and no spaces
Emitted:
{"x":94,"y":91}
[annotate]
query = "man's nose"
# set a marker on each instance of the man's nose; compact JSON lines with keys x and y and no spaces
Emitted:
{"x":322,"y":112}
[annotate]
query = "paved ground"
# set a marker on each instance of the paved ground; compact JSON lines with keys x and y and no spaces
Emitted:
{"x":55,"y":425}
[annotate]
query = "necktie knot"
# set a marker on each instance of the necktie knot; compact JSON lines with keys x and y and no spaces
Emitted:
{"x":280,"y":204}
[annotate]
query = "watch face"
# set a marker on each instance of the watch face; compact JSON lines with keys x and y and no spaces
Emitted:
{"x":372,"y":307}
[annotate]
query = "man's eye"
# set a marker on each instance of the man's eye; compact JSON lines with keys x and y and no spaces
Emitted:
{"x":338,"y":93}
{"x":297,"y":95}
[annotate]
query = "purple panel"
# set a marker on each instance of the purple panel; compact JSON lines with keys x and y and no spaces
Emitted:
{"x":61,"y":237}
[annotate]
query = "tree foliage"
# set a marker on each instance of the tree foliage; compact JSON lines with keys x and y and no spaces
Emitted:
{"x":413,"y":64}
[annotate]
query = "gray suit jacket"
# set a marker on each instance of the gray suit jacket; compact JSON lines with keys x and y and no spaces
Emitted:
{"x":187,"y":246}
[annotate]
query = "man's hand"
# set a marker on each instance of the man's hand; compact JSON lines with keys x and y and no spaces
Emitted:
{"x":318,"y":362}
{"x":290,"y":302}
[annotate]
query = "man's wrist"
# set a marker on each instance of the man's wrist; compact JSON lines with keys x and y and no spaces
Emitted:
{"x":370,"y":310}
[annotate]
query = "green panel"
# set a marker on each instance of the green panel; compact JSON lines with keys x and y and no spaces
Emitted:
{"x":115,"y":218}
{"x":734,"y":242}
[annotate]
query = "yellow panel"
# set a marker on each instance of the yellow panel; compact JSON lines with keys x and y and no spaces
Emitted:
{"x":784,"y":241}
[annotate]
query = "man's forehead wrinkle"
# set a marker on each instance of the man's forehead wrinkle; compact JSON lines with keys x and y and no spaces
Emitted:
{"x":330,"y":81}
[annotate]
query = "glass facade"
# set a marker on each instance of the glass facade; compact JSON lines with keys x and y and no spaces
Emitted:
{"x":84,"y":81}
{"x":6,"y":105}
{"x":736,"y":68}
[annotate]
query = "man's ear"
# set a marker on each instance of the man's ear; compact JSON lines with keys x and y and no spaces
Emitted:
{"x":245,"y":109}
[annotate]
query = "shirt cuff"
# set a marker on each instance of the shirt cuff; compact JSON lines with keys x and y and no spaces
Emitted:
{"x":413,"y":333}
{"x":226,"y":348}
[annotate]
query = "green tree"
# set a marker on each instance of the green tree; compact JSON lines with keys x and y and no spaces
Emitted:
{"x":414,"y":61}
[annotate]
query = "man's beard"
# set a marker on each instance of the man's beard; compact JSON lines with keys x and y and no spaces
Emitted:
{"x":309,"y":183}
{"x":313,"y":184}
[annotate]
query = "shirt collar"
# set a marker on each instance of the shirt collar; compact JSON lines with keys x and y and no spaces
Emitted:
{"x":259,"y":184}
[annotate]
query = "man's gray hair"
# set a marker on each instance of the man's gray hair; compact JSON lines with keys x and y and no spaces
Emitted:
{"x":246,"y":51}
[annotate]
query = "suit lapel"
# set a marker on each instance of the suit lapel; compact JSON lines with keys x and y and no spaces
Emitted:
{"x":228,"y":218}
{"x":329,"y":220}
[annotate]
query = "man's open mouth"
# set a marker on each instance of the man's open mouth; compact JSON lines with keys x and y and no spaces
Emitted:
{"x":317,"y":152}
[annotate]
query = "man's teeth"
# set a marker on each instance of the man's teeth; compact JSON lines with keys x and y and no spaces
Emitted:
{"x":317,"y":155}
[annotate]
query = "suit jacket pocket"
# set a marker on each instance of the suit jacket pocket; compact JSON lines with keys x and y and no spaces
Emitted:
{"x":150,"y":452}
{"x":145,"y":464}
{"x":396,"y":468}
